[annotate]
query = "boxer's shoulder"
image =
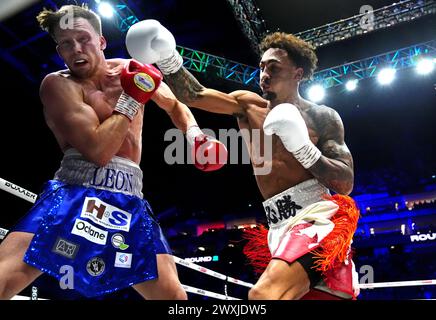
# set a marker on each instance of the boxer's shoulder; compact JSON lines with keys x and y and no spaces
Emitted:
{"x":321,"y":113}
{"x":324,"y":120}
{"x":116,"y":62}
{"x":248,"y":98}
{"x":58,"y":79}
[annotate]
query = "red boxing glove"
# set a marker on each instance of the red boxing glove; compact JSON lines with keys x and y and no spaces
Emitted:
{"x":139,"y":82}
{"x":209,"y":154}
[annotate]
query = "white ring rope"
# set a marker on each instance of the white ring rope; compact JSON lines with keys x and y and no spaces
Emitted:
{"x":397,"y":284}
{"x":209,"y":272}
{"x":17,"y":191}
{"x":206,"y":293}
{"x":31,"y":197}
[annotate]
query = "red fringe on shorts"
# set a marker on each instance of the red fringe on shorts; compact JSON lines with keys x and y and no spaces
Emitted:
{"x":334,"y":248}
{"x":256,"y":250}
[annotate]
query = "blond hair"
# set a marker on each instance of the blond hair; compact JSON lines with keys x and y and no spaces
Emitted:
{"x":48,"y":19}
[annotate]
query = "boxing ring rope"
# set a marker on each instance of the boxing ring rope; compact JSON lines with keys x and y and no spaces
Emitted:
{"x":31,"y":197}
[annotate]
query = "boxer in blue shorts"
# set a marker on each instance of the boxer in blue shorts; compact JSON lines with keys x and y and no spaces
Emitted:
{"x":92,"y":217}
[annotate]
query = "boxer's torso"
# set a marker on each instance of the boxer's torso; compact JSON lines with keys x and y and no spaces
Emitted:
{"x":286,"y":171}
{"x":103,"y":98}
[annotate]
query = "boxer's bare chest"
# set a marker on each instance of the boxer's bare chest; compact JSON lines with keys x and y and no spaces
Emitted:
{"x":103,"y":98}
{"x":275,"y":168}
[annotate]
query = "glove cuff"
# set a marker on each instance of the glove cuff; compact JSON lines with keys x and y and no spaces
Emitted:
{"x":307,"y":155}
{"x":127,"y":106}
{"x":171,"y":64}
{"x":193,"y":132}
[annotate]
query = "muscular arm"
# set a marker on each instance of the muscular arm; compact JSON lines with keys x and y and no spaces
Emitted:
{"x":188,"y":90}
{"x":76,"y":123}
{"x":335,"y":167}
{"x":179,"y":113}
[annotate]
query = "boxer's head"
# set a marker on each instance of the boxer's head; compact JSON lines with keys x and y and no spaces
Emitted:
{"x":78,"y":34}
{"x":286,"y":60}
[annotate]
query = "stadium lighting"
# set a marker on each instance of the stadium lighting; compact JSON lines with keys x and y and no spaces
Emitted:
{"x":425,"y":66}
{"x":316,"y":93}
{"x":386,"y":76}
{"x":105,"y":10}
{"x":351,"y":85}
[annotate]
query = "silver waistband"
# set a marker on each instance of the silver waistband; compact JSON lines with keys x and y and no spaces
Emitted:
{"x":119,"y":175}
{"x":288,"y":203}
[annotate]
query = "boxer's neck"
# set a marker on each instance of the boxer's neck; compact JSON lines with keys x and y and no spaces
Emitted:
{"x":292,"y":97}
{"x":101,"y":76}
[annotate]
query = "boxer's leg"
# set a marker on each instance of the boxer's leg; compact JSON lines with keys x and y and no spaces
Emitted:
{"x":167,"y":286}
{"x":281,"y":280}
{"x":15,"y":275}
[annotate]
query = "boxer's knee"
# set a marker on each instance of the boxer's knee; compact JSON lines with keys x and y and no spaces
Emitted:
{"x":295,"y":293}
{"x":15,"y":275}
{"x":179,"y":293}
{"x":172,"y":290}
{"x":11,"y":282}
{"x":256,"y":294}
{"x":259,"y":292}
{"x":270,"y":293}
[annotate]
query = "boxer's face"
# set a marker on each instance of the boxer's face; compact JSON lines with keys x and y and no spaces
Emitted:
{"x":278,"y":74}
{"x":81,"y":48}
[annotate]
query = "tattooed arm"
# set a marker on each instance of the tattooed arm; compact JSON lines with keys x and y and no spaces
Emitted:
{"x":188,"y":90}
{"x":334,"y":168}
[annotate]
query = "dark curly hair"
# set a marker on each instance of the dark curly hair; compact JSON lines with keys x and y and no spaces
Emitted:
{"x":299,"y":51}
{"x":48,"y":20}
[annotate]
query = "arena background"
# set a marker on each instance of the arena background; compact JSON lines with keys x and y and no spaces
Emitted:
{"x":390,"y":131}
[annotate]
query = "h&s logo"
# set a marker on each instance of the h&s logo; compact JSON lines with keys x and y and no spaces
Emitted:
{"x":106,"y":215}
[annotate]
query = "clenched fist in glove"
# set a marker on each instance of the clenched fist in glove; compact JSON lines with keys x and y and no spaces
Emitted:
{"x":209,"y":154}
{"x":285,"y":121}
{"x":139,"y":82}
{"x":150,"y":42}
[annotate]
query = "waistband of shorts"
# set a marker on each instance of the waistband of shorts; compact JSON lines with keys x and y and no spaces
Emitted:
{"x":294,"y":199}
{"x":119,"y":175}
{"x":73,"y":153}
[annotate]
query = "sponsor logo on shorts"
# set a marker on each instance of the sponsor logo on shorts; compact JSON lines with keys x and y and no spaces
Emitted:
{"x":118,"y":241}
{"x":123,"y":260}
{"x":65,"y":248}
{"x":91,"y":233}
{"x":106,"y":215}
{"x":95,"y":266}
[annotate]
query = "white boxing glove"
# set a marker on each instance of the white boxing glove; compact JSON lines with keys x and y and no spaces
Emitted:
{"x":149,"y":42}
{"x":286,"y":122}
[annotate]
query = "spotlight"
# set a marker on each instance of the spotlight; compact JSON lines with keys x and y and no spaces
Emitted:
{"x":316,"y":93}
{"x":106,"y":10}
{"x":425,"y":66}
{"x":386,"y":76}
{"x":351,"y":85}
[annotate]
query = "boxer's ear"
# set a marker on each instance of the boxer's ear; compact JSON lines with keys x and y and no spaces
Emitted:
{"x":103,"y":43}
{"x":58,"y":50}
{"x":299,"y":74}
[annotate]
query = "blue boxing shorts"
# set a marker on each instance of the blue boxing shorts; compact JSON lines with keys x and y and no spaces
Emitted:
{"x":93,"y":221}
